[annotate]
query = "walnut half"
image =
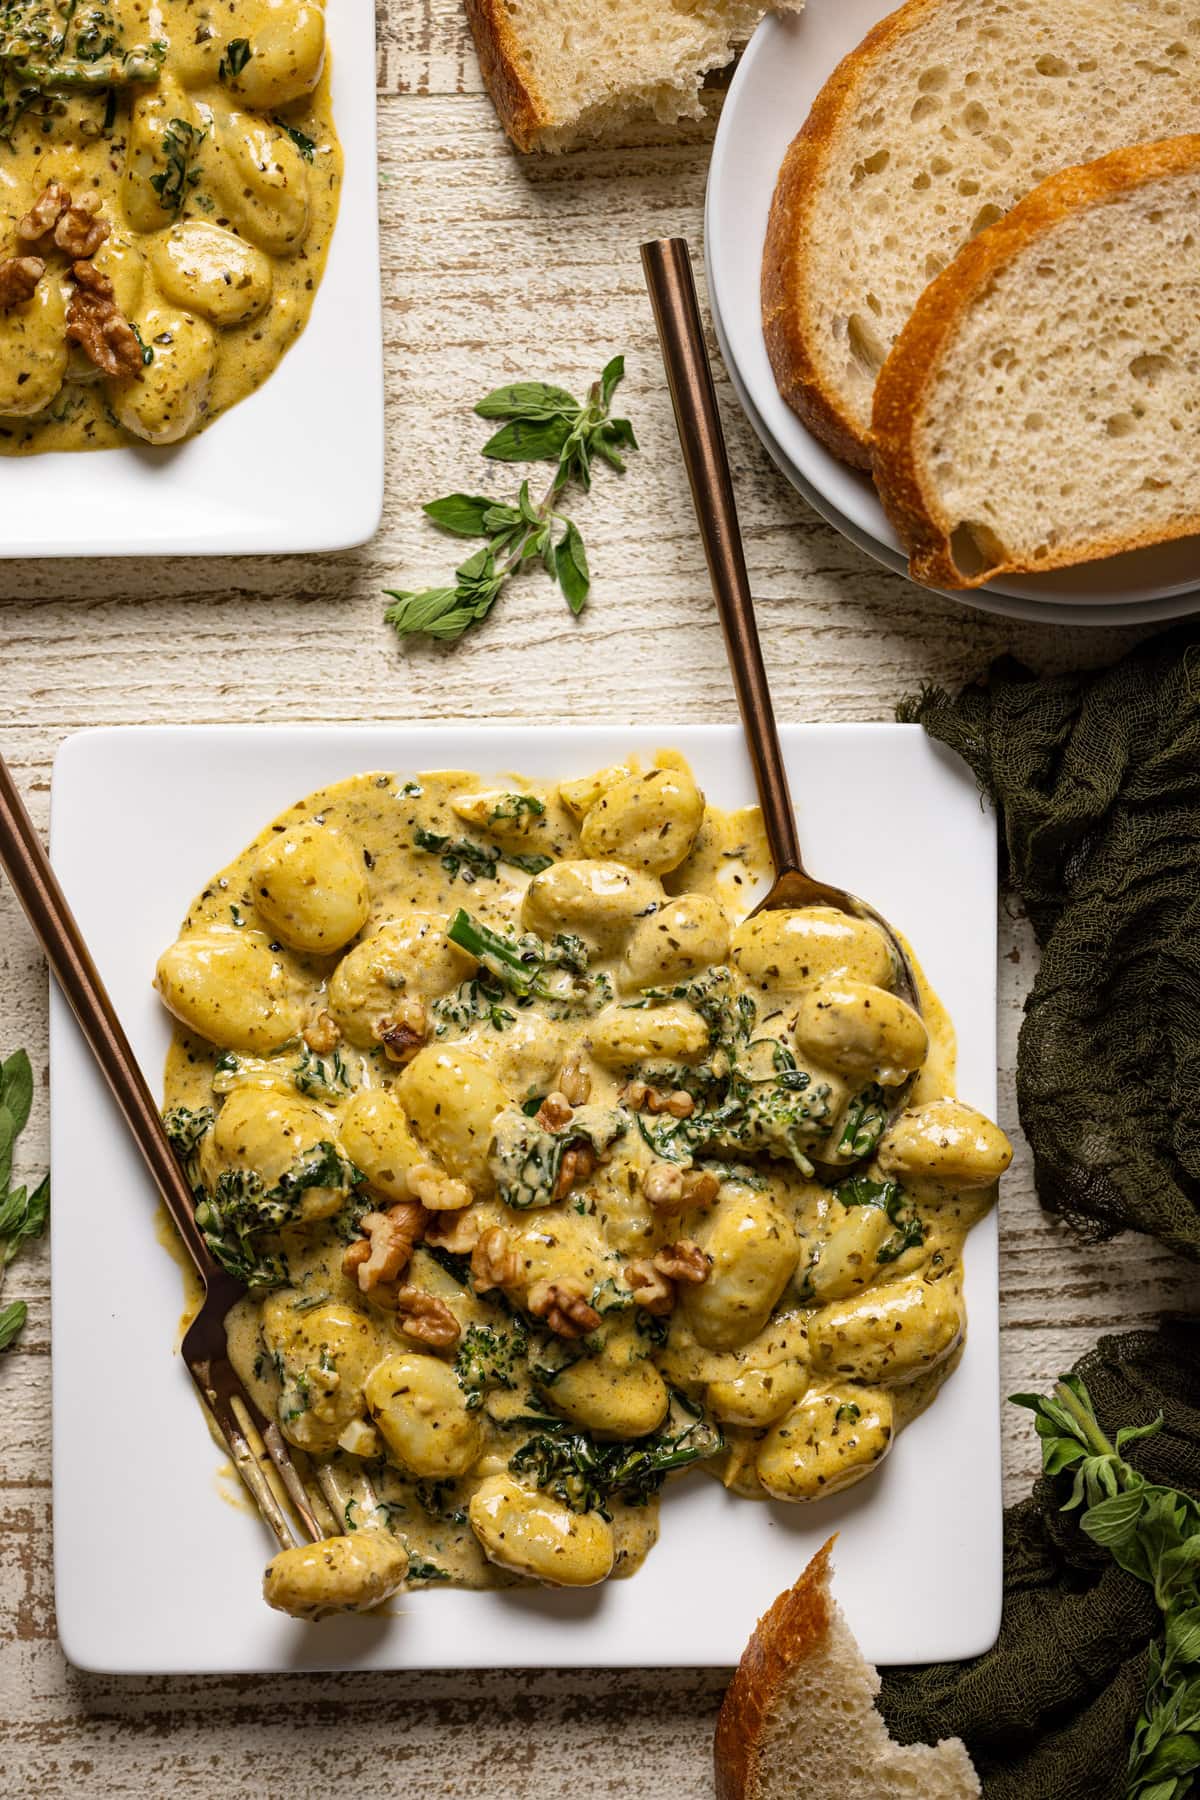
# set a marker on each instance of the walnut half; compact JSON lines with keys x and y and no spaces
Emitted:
{"x":382,"y":1255}
{"x":563,"y":1306}
{"x":423,"y":1316}
{"x":96,"y":323}
{"x":19,"y":276}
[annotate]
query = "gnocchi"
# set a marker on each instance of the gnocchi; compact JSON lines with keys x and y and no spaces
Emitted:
{"x":533,"y":1536}
{"x":341,"y":1574}
{"x":311,"y":889}
{"x":421,"y":1414}
{"x":648,"y":821}
{"x":539,"y":1184}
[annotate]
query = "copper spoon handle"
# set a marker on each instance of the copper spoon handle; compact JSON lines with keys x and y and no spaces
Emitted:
{"x":672,"y":288}
{"x":45,"y":905}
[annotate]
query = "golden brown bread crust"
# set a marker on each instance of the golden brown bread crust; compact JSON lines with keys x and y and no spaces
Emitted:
{"x":912,"y":365}
{"x":523,"y":113}
{"x":785,"y":254}
{"x":787,"y":1632}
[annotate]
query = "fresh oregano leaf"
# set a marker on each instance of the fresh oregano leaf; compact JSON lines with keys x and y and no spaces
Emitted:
{"x":464,"y":514}
{"x":528,"y":400}
{"x":8,"y":1137}
{"x":570,"y":563}
{"x":12,"y":1322}
{"x":614,"y":373}
{"x":16,"y":1089}
{"x":436,"y":611}
{"x":528,"y":440}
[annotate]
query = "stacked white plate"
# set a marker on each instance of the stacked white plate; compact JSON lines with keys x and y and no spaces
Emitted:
{"x":784,"y":68}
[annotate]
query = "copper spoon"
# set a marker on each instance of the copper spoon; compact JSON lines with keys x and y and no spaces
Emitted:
{"x":204,"y":1347}
{"x":668,"y":269}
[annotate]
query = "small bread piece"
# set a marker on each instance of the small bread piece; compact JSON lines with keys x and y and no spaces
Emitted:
{"x":943,"y":118}
{"x":799,"y":1717}
{"x":1040,"y":407}
{"x":562,"y":71}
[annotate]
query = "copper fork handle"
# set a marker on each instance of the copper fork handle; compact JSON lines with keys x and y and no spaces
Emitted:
{"x":36,"y":887}
{"x":672,"y":286}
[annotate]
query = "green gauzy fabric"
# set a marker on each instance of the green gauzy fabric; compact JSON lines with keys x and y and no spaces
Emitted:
{"x":1096,"y":779}
{"x":1049,"y":1713}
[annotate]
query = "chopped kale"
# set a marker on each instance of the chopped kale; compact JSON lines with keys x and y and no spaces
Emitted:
{"x":909,"y":1233}
{"x":526,"y":1158}
{"x":588,"y":1475}
{"x":319,"y":1077}
{"x":866,"y":1117}
{"x":240,"y":1209}
{"x":468,"y":860}
{"x":489,"y":1358}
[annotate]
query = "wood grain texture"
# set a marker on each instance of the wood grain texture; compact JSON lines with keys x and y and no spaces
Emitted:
{"x":491,"y":269}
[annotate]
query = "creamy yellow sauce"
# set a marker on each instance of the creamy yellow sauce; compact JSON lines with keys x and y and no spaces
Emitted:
{"x":215,"y":162}
{"x":730,"y":1081}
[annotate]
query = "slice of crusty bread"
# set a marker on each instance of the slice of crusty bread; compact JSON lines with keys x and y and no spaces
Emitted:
{"x":799,"y":1718}
{"x":1041,"y":406}
{"x":561,"y":71}
{"x":940,"y":121}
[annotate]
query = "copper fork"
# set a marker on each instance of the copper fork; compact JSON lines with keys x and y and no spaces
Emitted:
{"x":256,"y":1445}
{"x":668,"y":270}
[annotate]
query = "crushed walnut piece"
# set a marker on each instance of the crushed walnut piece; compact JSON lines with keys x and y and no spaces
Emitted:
{"x":700,"y":1187}
{"x":421,"y":1315}
{"x":323,"y":1035}
{"x":641,"y":1097}
{"x":555,"y":1112}
{"x":577,"y":1164}
{"x":384,"y":1251}
{"x":80,"y":230}
{"x":437,"y":1190}
{"x":574,"y":1083}
{"x":45,"y":213}
{"x":404,"y":1032}
{"x":662,"y":1187}
{"x":493,"y":1261}
{"x":19,"y":276}
{"x":457,"y":1232}
{"x":651,"y":1289}
{"x":563,"y":1306}
{"x":683,"y":1261}
{"x":96,"y":323}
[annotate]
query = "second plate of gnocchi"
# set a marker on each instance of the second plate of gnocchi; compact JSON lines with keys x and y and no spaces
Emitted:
{"x":591,"y":1227}
{"x":189,"y":287}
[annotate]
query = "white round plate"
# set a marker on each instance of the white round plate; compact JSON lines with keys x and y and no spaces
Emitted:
{"x":783,"y":69}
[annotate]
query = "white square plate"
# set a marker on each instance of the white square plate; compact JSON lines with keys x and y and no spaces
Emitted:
{"x":154,"y":1571}
{"x":298,"y":466}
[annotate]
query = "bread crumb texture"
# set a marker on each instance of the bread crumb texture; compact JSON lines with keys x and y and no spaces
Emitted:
{"x":1042,"y":407}
{"x":563,"y":71}
{"x":948,"y":114}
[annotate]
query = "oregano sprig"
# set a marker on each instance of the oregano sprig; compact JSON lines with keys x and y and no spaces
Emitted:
{"x":543,"y":423}
{"x":23,"y":1211}
{"x":1154,"y":1534}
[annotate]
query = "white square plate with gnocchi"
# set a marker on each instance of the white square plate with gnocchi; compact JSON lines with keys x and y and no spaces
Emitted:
{"x":159,"y":1560}
{"x":214,"y":300}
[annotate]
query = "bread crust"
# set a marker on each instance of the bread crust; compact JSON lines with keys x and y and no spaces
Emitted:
{"x":788,"y":1631}
{"x":522,"y":110}
{"x":786,"y":261}
{"x":908,"y":373}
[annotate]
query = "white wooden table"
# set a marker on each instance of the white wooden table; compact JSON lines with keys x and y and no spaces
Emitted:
{"x":492,"y":269}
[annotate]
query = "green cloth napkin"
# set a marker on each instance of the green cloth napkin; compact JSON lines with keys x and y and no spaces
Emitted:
{"x":1049,"y":1713}
{"x":1096,"y":779}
